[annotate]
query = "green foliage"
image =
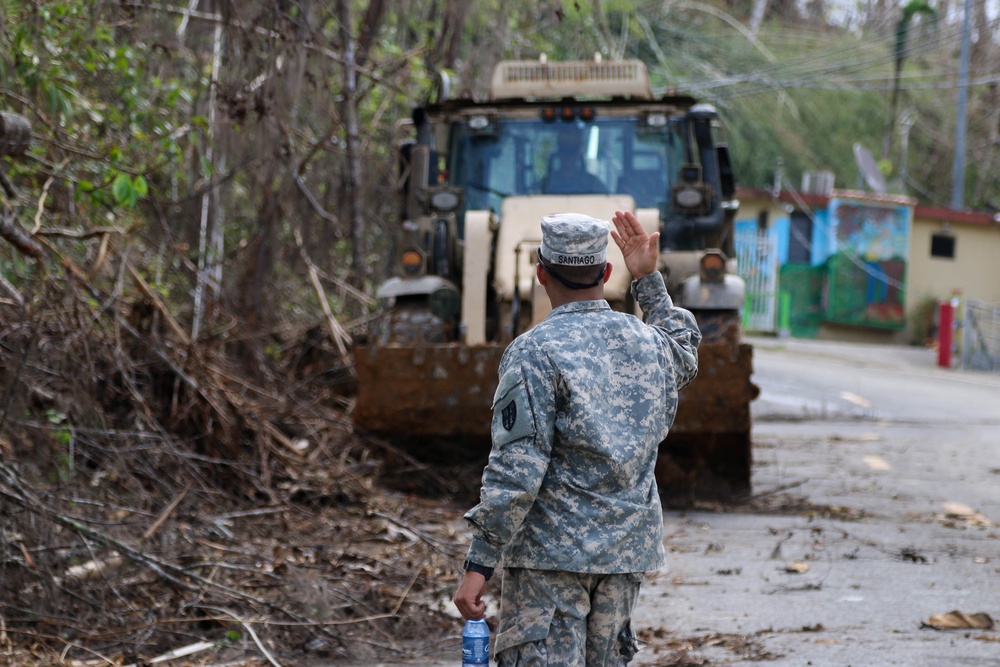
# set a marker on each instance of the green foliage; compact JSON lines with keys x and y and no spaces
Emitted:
{"x":62,"y":432}
{"x":60,"y":426}
{"x":128,"y":191}
{"x":103,"y":111}
{"x":777,"y":110}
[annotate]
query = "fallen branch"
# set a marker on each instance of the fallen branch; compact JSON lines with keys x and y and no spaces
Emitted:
{"x":440,"y":546}
{"x":337,"y":332}
{"x":157,"y":302}
{"x":350,"y":621}
{"x":14,"y":293}
{"x":166,"y":512}
{"x":249,"y":628}
{"x":67,"y":644}
{"x":18,"y":238}
{"x":92,"y":569}
{"x":13,"y":490}
{"x":297,"y":447}
{"x":41,"y":203}
{"x":778,"y":489}
{"x":182,"y":652}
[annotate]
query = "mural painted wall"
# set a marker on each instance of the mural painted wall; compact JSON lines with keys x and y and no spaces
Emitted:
{"x":923,"y":279}
{"x":867,"y":266}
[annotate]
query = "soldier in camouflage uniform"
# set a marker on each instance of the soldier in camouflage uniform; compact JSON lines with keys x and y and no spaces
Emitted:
{"x":569,"y":502}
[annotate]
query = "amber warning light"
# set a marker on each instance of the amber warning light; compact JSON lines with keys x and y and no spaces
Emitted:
{"x":713,"y":267}
{"x":412,"y":262}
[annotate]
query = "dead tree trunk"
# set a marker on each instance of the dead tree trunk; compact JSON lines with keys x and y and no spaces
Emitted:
{"x":350,"y":112}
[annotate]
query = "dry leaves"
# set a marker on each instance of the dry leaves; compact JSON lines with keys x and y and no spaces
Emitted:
{"x":797,"y":567}
{"x":958,"y":620}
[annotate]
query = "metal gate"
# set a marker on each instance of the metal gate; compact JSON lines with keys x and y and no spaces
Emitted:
{"x":757,"y":264}
{"x":981,"y":337}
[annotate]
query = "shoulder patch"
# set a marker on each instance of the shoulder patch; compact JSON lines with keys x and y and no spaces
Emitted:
{"x":508,"y":415}
{"x":512,"y":416}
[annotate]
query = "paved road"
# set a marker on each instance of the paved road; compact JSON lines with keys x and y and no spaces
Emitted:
{"x":879,"y":475}
{"x":877,"y":483}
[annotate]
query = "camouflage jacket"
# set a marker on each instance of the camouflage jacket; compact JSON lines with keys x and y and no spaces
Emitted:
{"x":584,"y":399}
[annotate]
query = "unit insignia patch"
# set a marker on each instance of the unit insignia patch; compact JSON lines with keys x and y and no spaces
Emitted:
{"x":509,"y":415}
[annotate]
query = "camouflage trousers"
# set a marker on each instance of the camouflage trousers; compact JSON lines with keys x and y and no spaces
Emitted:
{"x":566,"y":619}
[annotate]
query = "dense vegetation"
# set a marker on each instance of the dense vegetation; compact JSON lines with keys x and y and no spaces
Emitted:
{"x":193,"y":235}
{"x":222,"y":129}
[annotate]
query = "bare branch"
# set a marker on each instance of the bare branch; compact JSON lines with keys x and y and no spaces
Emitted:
{"x":12,"y":489}
{"x":17,"y":237}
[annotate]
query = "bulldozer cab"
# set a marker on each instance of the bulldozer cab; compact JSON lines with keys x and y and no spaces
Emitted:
{"x":532,"y":156}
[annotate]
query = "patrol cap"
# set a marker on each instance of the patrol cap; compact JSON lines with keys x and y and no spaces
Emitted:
{"x":574,"y":239}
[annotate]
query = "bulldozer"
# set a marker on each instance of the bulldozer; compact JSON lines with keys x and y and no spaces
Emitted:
{"x":475,"y":179}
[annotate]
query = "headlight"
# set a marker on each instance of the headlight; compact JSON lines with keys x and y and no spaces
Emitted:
{"x":656,"y":119}
{"x":444,"y":201}
{"x":479,"y":123}
{"x":483,"y":126}
{"x":689,"y":197}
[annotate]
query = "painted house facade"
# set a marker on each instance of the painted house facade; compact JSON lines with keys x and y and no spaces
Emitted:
{"x":853,"y":265}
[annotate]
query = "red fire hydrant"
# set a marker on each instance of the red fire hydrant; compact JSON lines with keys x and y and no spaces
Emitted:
{"x":946,"y":333}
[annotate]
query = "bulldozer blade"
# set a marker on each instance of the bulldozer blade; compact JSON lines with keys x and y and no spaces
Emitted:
{"x":434,"y":395}
{"x":707,"y":455}
{"x":427,"y":390}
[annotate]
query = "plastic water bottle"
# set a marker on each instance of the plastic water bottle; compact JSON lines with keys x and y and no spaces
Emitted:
{"x":475,"y":644}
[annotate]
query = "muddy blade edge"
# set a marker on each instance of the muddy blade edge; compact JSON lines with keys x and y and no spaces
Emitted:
{"x":436,"y":393}
{"x":707,"y":455}
{"x":426,"y":391}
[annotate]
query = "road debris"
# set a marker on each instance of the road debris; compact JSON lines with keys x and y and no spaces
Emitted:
{"x":797,"y":567}
{"x":960,"y":515}
{"x":958,"y":620}
{"x":911,"y":555}
{"x":674,"y":651}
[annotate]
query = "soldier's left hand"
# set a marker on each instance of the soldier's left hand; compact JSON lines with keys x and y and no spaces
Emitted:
{"x":469,"y":597}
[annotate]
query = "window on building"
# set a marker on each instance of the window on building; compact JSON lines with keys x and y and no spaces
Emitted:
{"x":943,"y":245}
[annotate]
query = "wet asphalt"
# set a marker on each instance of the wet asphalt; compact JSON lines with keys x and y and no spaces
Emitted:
{"x":876,"y":507}
{"x":877,"y":503}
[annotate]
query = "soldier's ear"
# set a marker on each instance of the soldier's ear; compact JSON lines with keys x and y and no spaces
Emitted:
{"x":541,"y":274}
{"x":607,"y":272}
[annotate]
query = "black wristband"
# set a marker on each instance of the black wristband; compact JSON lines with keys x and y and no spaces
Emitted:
{"x":469,"y":566}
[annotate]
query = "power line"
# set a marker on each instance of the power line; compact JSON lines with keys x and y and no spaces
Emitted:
{"x":857,"y":85}
{"x":810,"y":71}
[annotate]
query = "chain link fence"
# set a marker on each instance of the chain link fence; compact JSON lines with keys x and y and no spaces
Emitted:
{"x":981,"y":337}
{"x":757,"y":264}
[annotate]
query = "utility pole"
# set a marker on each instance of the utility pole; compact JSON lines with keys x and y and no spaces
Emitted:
{"x":905,"y":123}
{"x":958,"y":167}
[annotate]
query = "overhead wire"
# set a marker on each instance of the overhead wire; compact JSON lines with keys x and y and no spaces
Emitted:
{"x":760,"y":82}
{"x":859,"y":86}
{"x":846,"y":80}
{"x":807,"y":64}
{"x":810,"y":68}
{"x":860,"y":65}
{"x":937,"y":37}
{"x":808,"y":71}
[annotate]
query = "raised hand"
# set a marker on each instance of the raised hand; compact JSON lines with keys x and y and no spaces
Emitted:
{"x":640,"y":250}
